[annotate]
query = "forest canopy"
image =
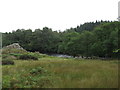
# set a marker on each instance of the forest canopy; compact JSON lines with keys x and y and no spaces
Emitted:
{"x":100,"y":39}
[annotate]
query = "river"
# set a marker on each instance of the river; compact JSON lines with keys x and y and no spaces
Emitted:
{"x":61,"y":55}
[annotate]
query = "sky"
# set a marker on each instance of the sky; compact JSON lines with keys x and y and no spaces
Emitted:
{"x":55,"y":14}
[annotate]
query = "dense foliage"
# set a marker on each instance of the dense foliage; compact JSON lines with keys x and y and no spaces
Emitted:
{"x":98,"y":39}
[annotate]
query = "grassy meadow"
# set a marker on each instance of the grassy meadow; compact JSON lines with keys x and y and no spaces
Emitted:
{"x":25,"y":66}
{"x":55,"y":72}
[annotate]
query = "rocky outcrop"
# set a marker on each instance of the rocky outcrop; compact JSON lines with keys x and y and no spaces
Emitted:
{"x":14,"y":46}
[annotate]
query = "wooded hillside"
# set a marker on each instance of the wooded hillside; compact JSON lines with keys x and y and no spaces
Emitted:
{"x":100,"y":39}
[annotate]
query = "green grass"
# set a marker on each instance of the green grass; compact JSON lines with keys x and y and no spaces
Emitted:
{"x":61,"y":73}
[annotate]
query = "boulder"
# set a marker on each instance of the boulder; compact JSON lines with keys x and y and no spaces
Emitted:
{"x":13,"y":46}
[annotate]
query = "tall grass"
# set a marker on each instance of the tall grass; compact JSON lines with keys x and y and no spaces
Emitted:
{"x":62,"y":73}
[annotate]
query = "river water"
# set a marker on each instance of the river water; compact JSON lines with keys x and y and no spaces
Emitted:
{"x":61,"y":55}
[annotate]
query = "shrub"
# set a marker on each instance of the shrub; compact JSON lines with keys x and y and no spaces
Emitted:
{"x":38,"y":70}
{"x":27,"y":57}
{"x":7,"y":62}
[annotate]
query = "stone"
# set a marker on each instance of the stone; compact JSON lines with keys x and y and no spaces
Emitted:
{"x":13,"y":46}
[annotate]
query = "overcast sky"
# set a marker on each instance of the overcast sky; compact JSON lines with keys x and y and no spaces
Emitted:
{"x":55,"y":14}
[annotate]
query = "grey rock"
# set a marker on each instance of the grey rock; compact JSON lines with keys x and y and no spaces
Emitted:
{"x":14,"y":46}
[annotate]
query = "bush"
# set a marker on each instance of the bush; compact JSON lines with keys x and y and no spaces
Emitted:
{"x":7,"y":62}
{"x":27,"y":57}
{"x":38,"y":70}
